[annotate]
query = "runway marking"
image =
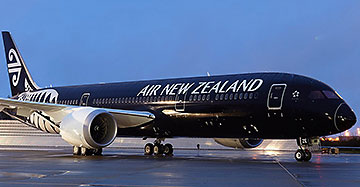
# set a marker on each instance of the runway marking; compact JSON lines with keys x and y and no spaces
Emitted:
{"x":287,"y":171}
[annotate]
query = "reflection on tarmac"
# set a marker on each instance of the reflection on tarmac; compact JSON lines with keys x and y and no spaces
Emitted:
{"x":130,"y":167}
{"x":31,"y":157}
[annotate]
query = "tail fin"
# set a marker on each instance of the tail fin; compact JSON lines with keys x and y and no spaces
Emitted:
{"x":20,"y":78}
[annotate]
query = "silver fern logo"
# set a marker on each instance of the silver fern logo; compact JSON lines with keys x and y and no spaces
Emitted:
{"x":14,"y":67}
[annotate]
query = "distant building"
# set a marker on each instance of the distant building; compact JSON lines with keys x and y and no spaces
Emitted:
{"x":349,"y":138}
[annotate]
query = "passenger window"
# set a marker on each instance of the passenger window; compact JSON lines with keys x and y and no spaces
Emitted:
{"x":256,"y":95}
{"x":241,"y":96}
{"x":235,"y":96}
{"x":251,"y":95}
{"x":190,"y":98}
{"x":208,"y":97}
{"x":217,"y":97}
{"x":199,"y":98}
{"x":231,"y":96}
{"x":221,"y":97}
{"x":246,"y":95}
{"x":195,"y":97}
{"x":226,"y":96}
{"x":316,"y":95}
{"x":203,"y":97}
{"x":330,"y":95}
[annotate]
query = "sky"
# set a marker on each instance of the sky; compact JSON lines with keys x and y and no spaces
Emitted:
{"x":67,"y":42}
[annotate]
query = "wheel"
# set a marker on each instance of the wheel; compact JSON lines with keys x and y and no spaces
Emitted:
{"x":168,"y":149}
{"x":299,"y":155}
{"x":76,"y":150}
{"x":158,"y":149}
{"x":307,"y":155}
{"x":149,"y":149}
{"x":98,"y":152}
{"x":86,"y":151}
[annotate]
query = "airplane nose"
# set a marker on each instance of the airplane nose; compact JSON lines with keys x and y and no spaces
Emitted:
{"x":344,"y":117}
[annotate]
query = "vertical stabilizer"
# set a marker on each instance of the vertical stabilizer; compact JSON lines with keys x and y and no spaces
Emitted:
{"x":20,"y":78}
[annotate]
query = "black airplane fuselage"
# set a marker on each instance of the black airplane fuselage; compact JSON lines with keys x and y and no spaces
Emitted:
{"x":254,"y":105}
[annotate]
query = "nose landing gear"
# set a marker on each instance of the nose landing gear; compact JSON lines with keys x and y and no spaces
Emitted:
{"x":304,"y":153}
{"x":157,"y":148}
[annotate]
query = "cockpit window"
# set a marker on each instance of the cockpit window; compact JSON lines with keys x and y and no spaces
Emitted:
{"x":316,"y":95}
{"x":330,"y":94}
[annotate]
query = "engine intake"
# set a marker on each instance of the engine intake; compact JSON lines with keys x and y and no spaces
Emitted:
{"x":89,"y":127}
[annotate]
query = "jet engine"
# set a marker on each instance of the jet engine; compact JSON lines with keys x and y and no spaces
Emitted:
{"x":239,"y":142}
{"x":88,"y":127}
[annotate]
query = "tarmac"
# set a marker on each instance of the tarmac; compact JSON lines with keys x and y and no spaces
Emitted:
{"x":35,"y":159}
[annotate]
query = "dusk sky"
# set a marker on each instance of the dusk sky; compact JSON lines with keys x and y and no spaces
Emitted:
{"x":77,"y":42}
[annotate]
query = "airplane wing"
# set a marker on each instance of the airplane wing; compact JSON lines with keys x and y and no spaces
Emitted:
{"x":124,"y":118}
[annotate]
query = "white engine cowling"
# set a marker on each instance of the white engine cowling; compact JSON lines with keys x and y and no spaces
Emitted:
{"x":88,"y":127}
{"x":239,"y":142}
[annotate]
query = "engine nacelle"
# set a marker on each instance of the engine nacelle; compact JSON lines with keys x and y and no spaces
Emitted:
{"x":88,"y":127}
{"x":239,"y":142}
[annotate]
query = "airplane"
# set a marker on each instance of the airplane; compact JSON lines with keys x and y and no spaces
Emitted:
{"x":244,"y":108}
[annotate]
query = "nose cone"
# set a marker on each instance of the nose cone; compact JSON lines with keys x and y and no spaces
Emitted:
{"x":344,"y":117}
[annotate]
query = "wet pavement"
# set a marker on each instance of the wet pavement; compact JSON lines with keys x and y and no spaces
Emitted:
{"x":129,"y":167}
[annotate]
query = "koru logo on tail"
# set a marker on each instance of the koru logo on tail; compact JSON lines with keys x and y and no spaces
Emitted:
{"x":14,"y":67}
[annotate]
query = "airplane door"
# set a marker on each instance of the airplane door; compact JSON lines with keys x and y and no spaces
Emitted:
{"x":180,"y":102}
{"x":276,"y":96}
{"x":84,"y":99}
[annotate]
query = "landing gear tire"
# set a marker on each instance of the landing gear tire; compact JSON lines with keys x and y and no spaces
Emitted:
{"x":308,"y":155}
{"x":168,"y":149}
{"x":299,"y":155}
{"x":149,"y":149}
{"x":158,"y":149}
{"x":86,"y":151}
{"x":303,"y":155}
{"x":76,"y":150}
{"x":98,"y":152}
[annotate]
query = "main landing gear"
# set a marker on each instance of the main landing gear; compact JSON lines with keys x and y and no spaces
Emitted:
{"x":157,"y":148}
{"x":303,"y":153}
{"x":86,"y":152}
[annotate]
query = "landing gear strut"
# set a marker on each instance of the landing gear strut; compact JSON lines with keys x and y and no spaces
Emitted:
{"x":157,"y":148}
{"x":303,"y":153}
